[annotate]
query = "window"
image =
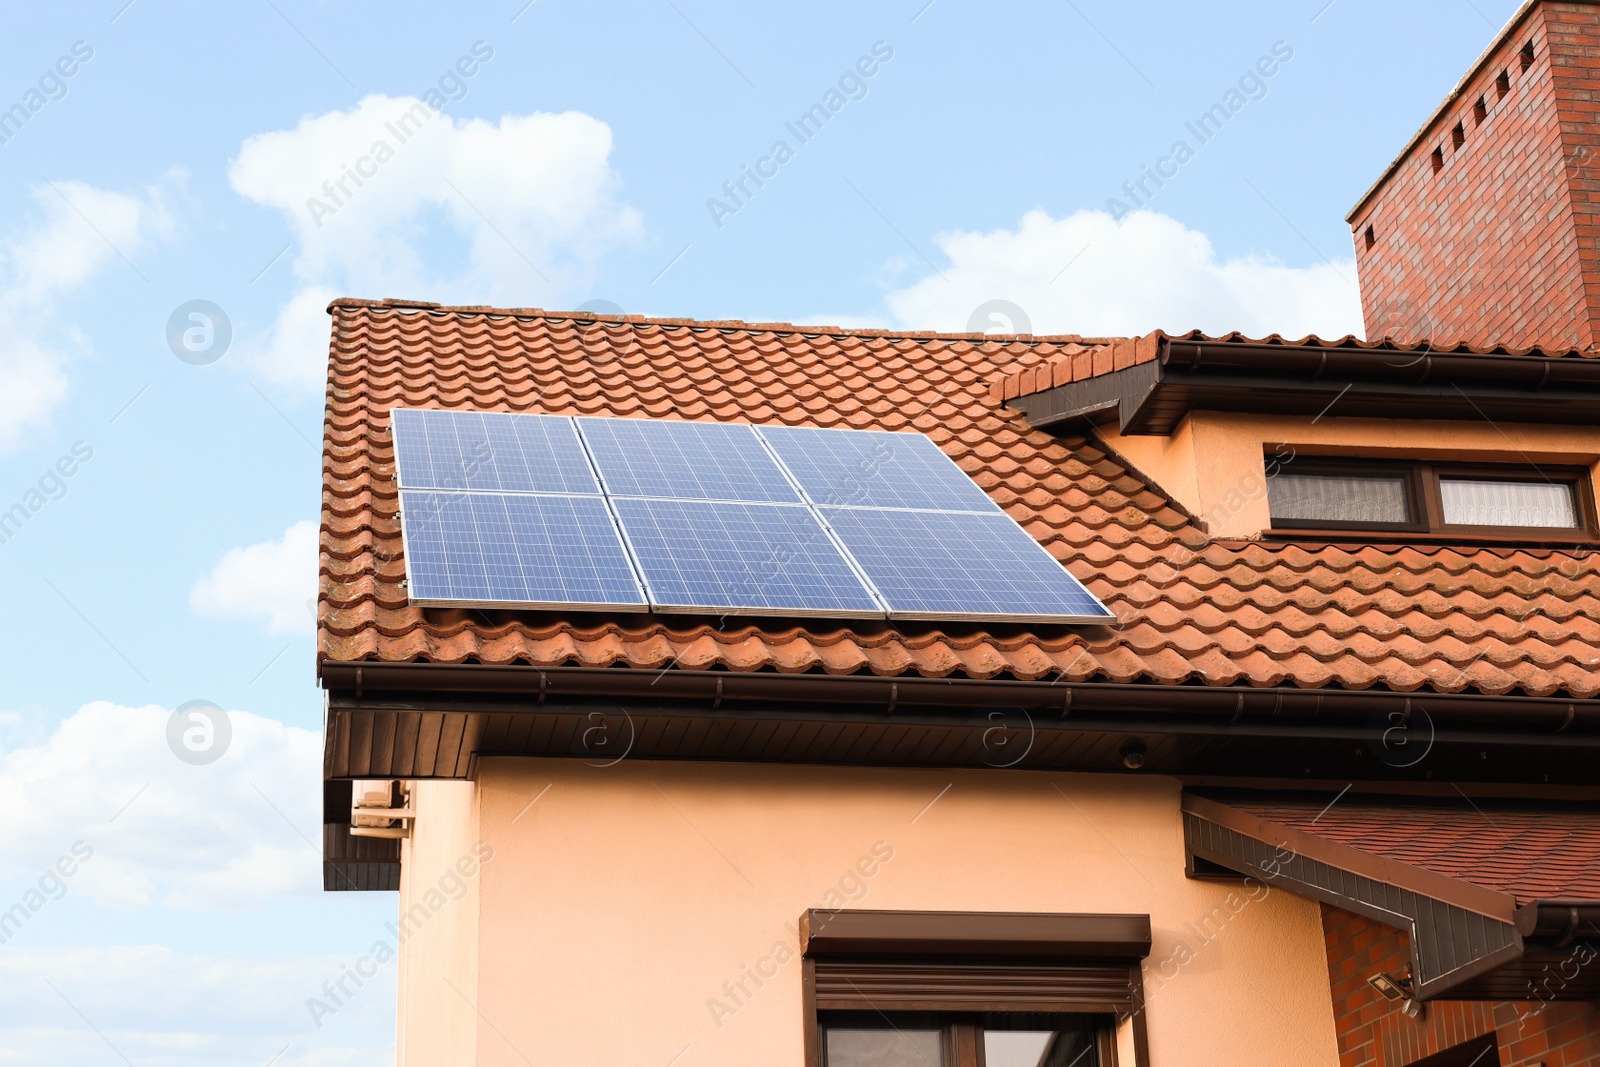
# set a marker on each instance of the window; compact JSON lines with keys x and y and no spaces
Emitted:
{"x":872,"y":1039}
{"x":973,"y":989}
{"x":1318,"y":493}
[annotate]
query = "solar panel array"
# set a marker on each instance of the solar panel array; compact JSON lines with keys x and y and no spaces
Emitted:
{"x":547,"y":511}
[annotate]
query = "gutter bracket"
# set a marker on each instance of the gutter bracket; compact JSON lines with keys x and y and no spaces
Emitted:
{"x":1427,"y":369}
{"x":1571,"y":930}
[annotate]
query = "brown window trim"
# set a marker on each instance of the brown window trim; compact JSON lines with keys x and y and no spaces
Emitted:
{"x":963,"y":964}
{"x":1426,"y":507}
{"x":1341,"y":539}
{"x":962,"y":1035}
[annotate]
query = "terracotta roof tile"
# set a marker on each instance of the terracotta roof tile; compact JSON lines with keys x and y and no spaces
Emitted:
{"x":1189,"y":609}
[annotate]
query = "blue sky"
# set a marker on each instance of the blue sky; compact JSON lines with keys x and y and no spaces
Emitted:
{"x":970,"y":152}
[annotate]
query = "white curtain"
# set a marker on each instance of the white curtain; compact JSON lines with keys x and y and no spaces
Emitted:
{"x":1473,"y":502}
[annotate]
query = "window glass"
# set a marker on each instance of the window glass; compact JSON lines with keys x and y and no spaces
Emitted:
{"x":1035,"y":1040}
{"x":1495,"y":502}
{"x":884,"y":1048}
{"x":1037,"y":1048}
{"x":938,"y":1039}
{"x":1338,"y":498}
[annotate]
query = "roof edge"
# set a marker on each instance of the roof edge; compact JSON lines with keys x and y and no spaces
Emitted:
{"x":1490,"y":903}
{"x":1556,"y":716}
{"x":805,"y":329}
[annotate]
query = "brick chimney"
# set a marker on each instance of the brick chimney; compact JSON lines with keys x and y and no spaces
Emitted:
{"x":1487,"y":227}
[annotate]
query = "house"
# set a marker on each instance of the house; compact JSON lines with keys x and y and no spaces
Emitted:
{"x":1324,"y":789}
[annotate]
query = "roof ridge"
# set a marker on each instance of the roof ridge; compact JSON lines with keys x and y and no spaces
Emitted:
{"x":399,"y":303}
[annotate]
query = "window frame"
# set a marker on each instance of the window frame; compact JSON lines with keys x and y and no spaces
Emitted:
{"x":961,"y":1033}
{"x":960,"y":966}
{"x":1425,"y":500}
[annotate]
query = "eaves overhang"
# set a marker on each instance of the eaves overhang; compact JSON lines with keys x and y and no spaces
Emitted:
{"x":423,"y":720}
{"x":1467,"y":941}
{"x":1348,"y":379}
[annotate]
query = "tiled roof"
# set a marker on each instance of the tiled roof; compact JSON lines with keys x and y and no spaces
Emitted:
{"x":1191,"y":610}
{"x":1526,"y":854}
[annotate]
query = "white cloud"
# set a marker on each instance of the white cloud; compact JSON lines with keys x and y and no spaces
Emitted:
{"x":226,"y":834}
{"x":531,"y":199}
{"x":1148,"y":272}
{"x":162,"y":1008}
{"x":78,"y":231}
{"x":274,"y":581}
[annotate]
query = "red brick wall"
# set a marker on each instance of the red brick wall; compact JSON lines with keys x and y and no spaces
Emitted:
{"x":1487,"y":248}
{"x":1573,"y":31}
{"x":1373,"y":1032}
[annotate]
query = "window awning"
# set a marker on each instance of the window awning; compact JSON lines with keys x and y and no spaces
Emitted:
{"x":1490,"y":894}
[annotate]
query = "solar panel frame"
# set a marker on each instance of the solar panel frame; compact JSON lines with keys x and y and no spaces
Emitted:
{"x":636,"y":528}
{"x":522,"y":452}
{"x":424,"y":590}
{"x":916,"y":546}
{"x":846,"y":468}
{"x":669,"y":459}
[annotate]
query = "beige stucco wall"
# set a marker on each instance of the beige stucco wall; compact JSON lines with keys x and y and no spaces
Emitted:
{"x":441,"y":867}
{"x":619,"y":904}
{"x":1214,"y":464}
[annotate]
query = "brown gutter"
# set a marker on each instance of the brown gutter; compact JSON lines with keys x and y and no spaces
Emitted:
{"x":1395,"y":366}
{"x":1558,"y":922}
{"x":1535,"y":719}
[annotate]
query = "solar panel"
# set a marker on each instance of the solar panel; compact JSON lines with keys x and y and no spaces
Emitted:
{"x":953,"y":565}
{"x":685,"y":461}
{"x":741,"y":558}
{"x":531,"y":551}
{"x":489,"y":451}
{"x":871,"y":468}
{"x":712,"y":518}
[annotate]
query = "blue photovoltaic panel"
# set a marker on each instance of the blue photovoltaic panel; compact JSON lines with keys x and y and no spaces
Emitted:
{"x":950,"y":565}
{"x":870,"y":468}
{"x":684,"y":461}
{"x":746,"y":558}
{"x":532,"y":551}
{"x":506,"y":509}
{"x":489,"y":451}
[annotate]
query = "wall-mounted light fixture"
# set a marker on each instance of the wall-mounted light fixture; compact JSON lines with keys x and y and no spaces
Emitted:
{"x":380,"y":808}
{"x":1397,"y":988}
